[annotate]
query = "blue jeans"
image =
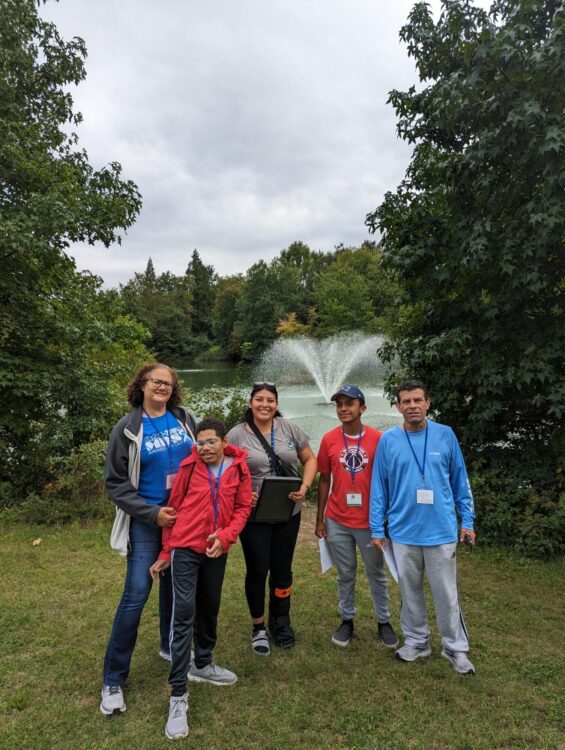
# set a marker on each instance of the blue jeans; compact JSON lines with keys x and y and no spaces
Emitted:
{"x":145,"y":544}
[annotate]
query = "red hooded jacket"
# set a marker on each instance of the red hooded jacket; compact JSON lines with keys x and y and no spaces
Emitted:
{"x":191,"y":497}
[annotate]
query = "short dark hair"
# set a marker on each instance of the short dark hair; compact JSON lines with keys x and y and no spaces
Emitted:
{"x":211,"y":423}
{"x":135,"y":394}
{"x":411,"y":385}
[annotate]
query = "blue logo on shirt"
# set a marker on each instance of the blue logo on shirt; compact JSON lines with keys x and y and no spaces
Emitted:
{"x":355,"y":460}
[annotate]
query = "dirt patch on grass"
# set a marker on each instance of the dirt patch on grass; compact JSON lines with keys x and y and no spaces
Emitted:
{"x":306,"y":536}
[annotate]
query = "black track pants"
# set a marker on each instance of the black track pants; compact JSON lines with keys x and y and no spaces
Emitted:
{"x":197,"y":589}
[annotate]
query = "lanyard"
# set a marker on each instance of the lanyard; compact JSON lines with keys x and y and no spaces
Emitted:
{"x":351,"y":466}
{"x":168,"y":441}
{"x":423,"y":466}
{"x":215,"y":490}
{"x":271,"y":461}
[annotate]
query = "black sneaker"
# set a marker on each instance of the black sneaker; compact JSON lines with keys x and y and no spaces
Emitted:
{"x":343,"y":634}
{"x":387,"y":636}
{"x":281,"y":632}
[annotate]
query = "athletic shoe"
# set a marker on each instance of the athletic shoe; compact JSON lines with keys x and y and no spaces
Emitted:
{"x":343,"y":634}
{"x":460,"y":661}
{"x":177,"y":723}
{"x":211,"y":673}
{"x":166,"y":655}
{"x":281,"y":631}
{"x":411,"y":653}
{"x":112,"y":700}
{"x":260,"y":642}
{"x":387,"y":635}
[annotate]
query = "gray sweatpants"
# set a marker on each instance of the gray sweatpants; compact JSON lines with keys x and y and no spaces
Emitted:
{"x":439,"y":562}
{"x":343,"y":541}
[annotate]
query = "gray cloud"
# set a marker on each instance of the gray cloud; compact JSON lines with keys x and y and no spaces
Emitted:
{"x":246,"y":125}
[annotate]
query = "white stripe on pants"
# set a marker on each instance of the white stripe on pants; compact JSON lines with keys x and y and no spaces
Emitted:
{"x":439,"y":562}
{"x":343,"y":541}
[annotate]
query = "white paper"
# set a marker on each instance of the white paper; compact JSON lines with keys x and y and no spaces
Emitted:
{"x":389,"y":559}
{"x":326,"y":558}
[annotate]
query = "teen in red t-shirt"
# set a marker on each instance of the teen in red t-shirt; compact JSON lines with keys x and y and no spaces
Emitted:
{"x":345,"y":463}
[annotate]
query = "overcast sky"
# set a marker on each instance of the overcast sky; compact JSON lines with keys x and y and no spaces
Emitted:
{"x":246,"y":124}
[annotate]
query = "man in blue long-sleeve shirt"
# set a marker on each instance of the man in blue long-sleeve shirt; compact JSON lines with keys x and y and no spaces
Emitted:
{"x":419,"y":485}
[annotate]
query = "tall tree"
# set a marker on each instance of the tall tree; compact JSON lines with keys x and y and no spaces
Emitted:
{"x":353,"y":293}
{"x":475,"y":231}
{"x":164,"y":305}
{"x":299,"y":268}
{"x":258,"y":311}
{"x":50,"y":196}
{"x":228,"y":290}
{"x":201,"y":279}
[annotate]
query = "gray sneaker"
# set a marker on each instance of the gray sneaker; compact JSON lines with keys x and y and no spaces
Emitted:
{"x":177,"y":723}
{"x":211,"y":673}
{"x":166,"y":655}
{"x":112,"y":700}
{"x":411,"y":653}
{"x":460,"y":661}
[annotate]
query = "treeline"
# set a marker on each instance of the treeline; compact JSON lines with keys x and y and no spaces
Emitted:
{"x":466,"y":282}
{"x":301,"y":291}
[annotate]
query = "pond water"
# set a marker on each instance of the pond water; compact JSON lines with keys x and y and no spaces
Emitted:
{"x":299,"y":401}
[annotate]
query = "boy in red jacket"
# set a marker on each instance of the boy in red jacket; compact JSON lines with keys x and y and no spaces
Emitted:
{"x":212,"y":496}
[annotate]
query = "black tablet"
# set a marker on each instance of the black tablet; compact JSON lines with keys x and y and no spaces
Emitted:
{"x":274,"y":503}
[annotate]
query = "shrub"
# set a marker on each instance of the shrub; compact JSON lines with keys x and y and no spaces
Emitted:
{"x":513,"y":513}
{"x":226,"y":404}
{"x":76,"y":495}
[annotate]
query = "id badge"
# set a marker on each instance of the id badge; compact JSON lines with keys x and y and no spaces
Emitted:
{"x":169,"y":479}
{"x":354,"y":498}
{"x":425,"y":497}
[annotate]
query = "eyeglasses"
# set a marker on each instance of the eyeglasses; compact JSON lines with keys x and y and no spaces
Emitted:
{"x":160,"y":383}
{"x":209,"y":441}
{"x":263,"y":383}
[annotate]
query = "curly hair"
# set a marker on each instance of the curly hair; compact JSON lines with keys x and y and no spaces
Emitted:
{"x":135,"y":394}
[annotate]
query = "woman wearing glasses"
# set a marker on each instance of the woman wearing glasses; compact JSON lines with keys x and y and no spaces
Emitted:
{"x":269,"y":547}
{"x":145,"y":449}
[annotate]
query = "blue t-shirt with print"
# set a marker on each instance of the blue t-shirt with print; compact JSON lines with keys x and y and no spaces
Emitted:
{"x":164,"y":445}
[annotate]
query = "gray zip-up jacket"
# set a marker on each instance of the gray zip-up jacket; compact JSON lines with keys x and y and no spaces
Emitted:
{"x":123,"y":462}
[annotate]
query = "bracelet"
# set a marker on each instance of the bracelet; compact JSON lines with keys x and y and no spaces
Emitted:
{"x":306,"y":485}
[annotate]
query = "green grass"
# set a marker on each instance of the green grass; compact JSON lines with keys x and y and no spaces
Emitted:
{"x":56,"y":606}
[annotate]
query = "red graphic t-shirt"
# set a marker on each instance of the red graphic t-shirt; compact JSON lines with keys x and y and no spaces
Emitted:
{"x":351,"y":473}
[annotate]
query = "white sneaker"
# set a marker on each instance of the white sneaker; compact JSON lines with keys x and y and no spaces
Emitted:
{"x":460,"y":661}
{"x":177,"y":723}
{"x":260,"y":642}
{"x":112,"y":700}
{"x":166,"y":655}
{"x":411,"y":653}
{"x":211,"y":673}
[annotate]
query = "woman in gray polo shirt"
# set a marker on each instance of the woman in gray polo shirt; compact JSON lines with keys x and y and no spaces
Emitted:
{"x":269,"y":547}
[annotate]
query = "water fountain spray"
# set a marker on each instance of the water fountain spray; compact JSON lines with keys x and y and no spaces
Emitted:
{"x":328,"y":362}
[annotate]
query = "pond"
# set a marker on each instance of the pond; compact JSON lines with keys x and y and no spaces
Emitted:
{"x":299,"y":401}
